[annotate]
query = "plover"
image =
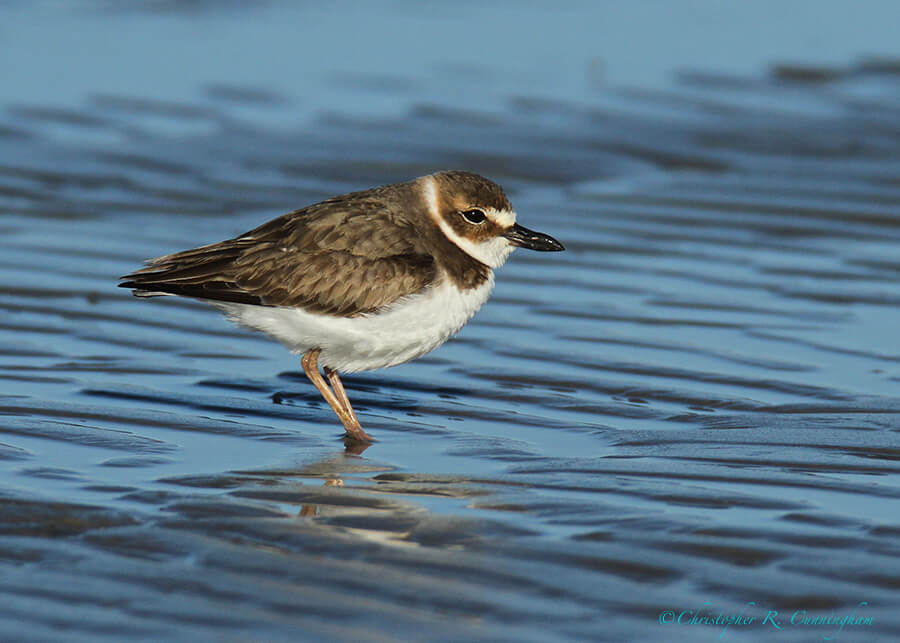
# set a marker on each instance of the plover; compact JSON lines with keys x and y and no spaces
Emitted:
{"x":360,"y":281}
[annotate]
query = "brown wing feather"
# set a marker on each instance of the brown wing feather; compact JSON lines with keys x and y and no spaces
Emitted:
{"x":345,"y":256}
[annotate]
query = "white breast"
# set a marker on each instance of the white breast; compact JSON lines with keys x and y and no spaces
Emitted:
{"x":402,"y":332}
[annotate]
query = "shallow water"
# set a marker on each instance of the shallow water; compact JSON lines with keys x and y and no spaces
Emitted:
{"x":693,"y":408}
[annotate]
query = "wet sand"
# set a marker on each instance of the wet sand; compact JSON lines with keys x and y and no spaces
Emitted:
{"x":693,"y":408}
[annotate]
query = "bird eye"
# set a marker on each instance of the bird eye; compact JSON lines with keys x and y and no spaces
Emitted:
{"x":474,"y":216}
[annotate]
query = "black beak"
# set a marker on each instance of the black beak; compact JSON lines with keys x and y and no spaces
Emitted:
{"x":525,"y":238}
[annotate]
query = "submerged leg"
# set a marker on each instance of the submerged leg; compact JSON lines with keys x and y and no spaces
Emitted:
{"x":359,"y":436}
{"x":340,"y":393}
{"x":340,"y":404}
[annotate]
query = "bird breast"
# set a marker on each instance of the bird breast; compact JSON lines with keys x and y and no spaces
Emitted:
{"x":405,"y":330}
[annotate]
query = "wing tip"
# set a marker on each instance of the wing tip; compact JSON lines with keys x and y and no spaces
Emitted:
{"x":139,"y":291}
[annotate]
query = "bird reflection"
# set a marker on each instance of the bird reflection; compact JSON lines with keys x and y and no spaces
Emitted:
{"x":313,"y":510}
{"x":355,"y":447}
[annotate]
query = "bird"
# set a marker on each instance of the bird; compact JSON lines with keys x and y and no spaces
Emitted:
{"x":360,"y":281}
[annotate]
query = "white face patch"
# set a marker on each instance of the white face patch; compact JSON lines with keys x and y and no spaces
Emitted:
{"x":492,"y":253}
{"x":503,"y":218}
{"x":431,"y":198}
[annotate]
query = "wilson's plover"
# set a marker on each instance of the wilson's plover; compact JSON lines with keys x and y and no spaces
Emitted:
{"x":361,"y":281}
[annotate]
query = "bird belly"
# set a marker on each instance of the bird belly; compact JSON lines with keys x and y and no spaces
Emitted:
{"x":403,"y":331}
